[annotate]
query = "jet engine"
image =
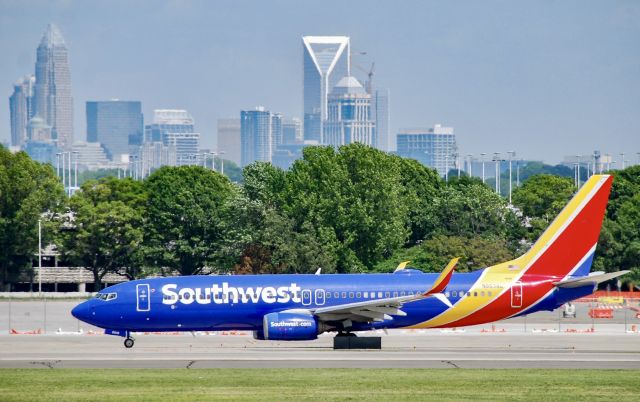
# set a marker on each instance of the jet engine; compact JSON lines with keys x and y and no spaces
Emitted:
{"x":288,"y":326}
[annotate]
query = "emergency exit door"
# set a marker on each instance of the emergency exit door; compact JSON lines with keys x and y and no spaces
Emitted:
{"x":143,"y":302}
{"x":516,"y":295}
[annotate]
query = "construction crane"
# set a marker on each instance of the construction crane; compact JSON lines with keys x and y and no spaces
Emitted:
{"x":369,"y":83}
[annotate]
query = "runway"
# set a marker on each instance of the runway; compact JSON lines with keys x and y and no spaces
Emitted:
{"x":430,"y":349}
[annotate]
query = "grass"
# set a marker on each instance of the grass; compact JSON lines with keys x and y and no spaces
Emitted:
{"x":316,"y":384}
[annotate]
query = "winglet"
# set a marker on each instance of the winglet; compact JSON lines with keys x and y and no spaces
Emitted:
{"x":401,"y":266}
{"x":443,"y":280}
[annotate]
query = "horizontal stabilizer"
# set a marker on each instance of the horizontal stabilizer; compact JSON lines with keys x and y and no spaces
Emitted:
{"x":589,"y":280}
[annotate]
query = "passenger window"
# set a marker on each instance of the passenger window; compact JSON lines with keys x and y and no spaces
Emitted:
{"x":395,"y":294}
{"x":351,"y":295}
{"x":469,"y":294}
{"x":482,"y":294}
{"x":447,"y":294}
{"x":475,"y":294}
{"x":328,"y":295}
{"x":490,"y":294}
{"x":344,"y":295}
{"x":358,"y":295}
{"x":387,"y":294}
{"x":403,"y":294}
{"x":379,"y":295}
{"x":336,"y":295}
{"x":366,"y":295}
{"x":454,"y":293}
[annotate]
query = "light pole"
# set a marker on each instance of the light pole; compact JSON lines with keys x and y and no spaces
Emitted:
{"x":58,"y":164}
{"x":64,"y":177}
{"x":496,"y":158}
{"x":470,"y":156}
{"x":220,"y":153}
{"x":213,"y":161}
{"x":75,"y":186}
{"x":40,"y":257}
{"x":622,"y":159}
{"x":446,"y":168}
{"x":578,"y":157}
{"x":518,"y":172}
{"x":511,"y":155}
{"x":482,"y":155}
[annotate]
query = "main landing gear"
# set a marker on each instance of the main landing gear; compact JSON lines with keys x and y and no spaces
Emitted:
{"x":128,"y":343}
{"x":348,"y":340}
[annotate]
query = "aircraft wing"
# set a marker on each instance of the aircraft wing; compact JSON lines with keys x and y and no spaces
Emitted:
{"x":593,"y":279}
{"x":384,"y":309}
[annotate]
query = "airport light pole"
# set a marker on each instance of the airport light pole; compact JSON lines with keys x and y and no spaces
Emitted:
{"x":220,"y":153}
{"x":578,"y":162}
{"x":622,"y":159}
{"x":496,"y":158}
{"x":58,"y":164}
{"x":64,"y":177}
{"x":213,"y":161}
{"x":470,"y":157}
{"x":511,"y":155}
{"x":40,"y":257}
{"x":75,"y":186}
{"x":482,"y":155}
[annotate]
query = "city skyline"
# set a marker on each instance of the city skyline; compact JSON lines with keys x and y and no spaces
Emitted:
{"x":506,"y":76}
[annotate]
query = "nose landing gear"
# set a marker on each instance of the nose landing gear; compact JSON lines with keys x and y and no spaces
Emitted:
{"x":128,"y":343}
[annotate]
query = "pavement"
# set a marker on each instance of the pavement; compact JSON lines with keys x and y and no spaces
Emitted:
{"x":542,"y":340}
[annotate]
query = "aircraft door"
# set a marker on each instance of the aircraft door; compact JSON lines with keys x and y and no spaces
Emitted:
{"x":319,"y":297}
{"x":142,"y":297}
{"x":516,"y":295}
{"x":306,"y":297}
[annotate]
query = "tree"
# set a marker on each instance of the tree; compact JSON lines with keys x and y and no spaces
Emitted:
{"x":434,"y":254}
{"x":28,"y":191}
{"x":470,"y":209}
{"x":420,"y":185}
{"x":356,"y":193}
{"x":184,"y":217}
{"x":619,"y":243}
{"x":105,"y":228}
{"x":541,"y":198}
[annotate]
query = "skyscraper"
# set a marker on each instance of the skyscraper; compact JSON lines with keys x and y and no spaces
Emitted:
{"x":229,"y":139}
{"x":117,"y":125}
{"x":326,"y":59}
{"x":291,"y":131}
{"x":380,"y":115}
{"x":256,"y":135}
{"x":52,"y":92}
{"x":349,"y":117}
{"x":434,"y":147}
{"x":21,"y":109}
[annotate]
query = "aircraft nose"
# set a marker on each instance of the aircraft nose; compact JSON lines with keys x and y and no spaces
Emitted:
{"x":81,"y":311}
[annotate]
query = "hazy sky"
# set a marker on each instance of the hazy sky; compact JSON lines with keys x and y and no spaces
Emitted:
{"x":544,"y":78}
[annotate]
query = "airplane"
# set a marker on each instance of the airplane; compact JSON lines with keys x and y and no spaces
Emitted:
{"x":554,"y":271}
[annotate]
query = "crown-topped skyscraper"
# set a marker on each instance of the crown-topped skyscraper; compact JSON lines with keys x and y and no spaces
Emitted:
{"x":53,"y":101}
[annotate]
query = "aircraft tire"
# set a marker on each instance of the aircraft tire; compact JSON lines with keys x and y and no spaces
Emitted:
{"x":128,"y":343}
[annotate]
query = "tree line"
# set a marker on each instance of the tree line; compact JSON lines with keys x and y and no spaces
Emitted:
{"x":354,"y":209}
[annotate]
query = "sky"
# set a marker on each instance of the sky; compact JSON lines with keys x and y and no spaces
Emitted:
{"x":543,"y":78}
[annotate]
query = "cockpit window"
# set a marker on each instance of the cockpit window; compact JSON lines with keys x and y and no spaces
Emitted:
{"x":106,"y":296}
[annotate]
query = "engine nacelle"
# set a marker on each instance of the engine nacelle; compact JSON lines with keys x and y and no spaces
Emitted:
{"x":288,"y":326}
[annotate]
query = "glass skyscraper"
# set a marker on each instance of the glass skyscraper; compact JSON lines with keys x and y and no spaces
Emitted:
{"x":260,"y":131}
{"x":229,"y":139}
{"x":52,"y":92}
{"x":434,"y":147}
{"x":21,"y":109}
{"x":117,"y":125}
{"x":325,"y":61}
{"x":380,"y":114}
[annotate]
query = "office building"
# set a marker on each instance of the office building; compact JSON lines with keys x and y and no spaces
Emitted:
{"x":326,"y":59}
{"x":52,"y":100}
{"x":91,"y":156}
{"x":21,"y":109}
{"x":349,"y":115}
{"x":258,"y":135}
{"x":291,"y":131}
{"x":434,"y":147}
{"x":117,"y":125}
{"x":229,"y":139}
{"x":170,"y":140}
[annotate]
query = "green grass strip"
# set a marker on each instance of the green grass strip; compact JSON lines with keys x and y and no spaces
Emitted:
{"x":317,"y":384}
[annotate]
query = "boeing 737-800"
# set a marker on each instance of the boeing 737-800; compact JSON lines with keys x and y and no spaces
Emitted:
{"x":555,"y":270}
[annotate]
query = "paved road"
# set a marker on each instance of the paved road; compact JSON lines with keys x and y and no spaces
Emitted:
{"x":430,"y":349}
